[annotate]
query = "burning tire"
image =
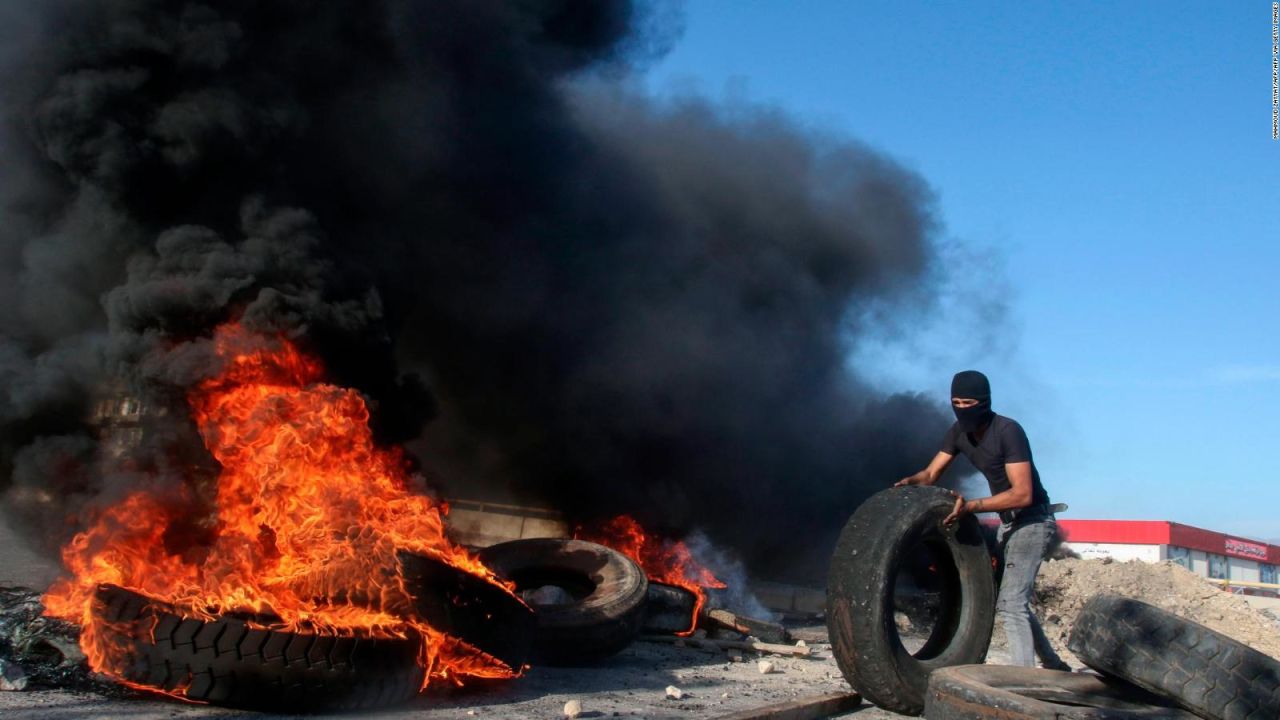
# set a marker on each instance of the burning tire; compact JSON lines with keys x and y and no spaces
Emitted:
{"x":601,"y":598}
{"x":228,"y":662}
{"x":473,"y":610}
{"x":987,"y":692}
{"x":669,"y":609}
{"x":1204,"y":671}
{"x":896,"y":539}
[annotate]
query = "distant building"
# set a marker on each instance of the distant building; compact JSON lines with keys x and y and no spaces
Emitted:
{"x":120,"y":417}
{"x":1207,"y":553}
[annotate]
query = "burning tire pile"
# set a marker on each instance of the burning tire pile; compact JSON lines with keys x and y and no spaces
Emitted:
{"x":326,"y":582}
{"x":1151,"y":663}
{"x":298,"y":593}
{"x":252,"y":663}
{"x":245,"y":661}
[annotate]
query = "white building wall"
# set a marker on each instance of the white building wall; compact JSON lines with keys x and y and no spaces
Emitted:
{"x":1118,"y":551}
{"x":1200,"y":563}
{"x":1244,"y":570}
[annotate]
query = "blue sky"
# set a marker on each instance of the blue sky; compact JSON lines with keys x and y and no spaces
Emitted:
{"x":1106,"y":169}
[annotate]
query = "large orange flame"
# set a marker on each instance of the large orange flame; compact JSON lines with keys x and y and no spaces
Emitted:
{"x":664,"y":561}
{"x":310,"y":515}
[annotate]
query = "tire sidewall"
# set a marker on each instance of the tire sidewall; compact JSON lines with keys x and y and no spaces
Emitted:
{"x":976,"y":593}
{"x":601,"y":624}
{"x":870,"y":552}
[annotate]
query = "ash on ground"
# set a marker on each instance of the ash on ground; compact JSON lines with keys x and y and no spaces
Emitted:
{"x":38,"y":652}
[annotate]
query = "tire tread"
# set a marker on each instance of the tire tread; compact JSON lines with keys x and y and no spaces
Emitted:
{"x":860,"y":582}
{"x":226,"y":662}
{"x":1203,"y":670}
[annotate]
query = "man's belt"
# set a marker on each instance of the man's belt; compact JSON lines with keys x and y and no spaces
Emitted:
{"x":1031,"y":512}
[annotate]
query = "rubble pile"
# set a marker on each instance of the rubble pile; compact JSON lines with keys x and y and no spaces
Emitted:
{"x":1063,"y":586}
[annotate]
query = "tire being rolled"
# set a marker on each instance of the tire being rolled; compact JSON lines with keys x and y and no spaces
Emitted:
{"x":1202,"y":670}
{"x":995,"y":692}
{"x":873,"y":547}
{"x":227,"y":661}
{"x":607,"y":591}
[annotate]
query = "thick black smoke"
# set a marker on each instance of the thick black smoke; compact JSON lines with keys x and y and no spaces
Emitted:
{"x":619,"y":305}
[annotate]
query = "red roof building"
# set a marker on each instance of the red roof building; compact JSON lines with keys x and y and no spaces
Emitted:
{"x":1204,"y":552}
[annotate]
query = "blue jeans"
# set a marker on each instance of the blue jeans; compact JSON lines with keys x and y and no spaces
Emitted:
{"x":1023,"y":546}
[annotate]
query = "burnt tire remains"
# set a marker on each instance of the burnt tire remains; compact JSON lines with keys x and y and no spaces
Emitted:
{"x":229,"y":662}
{"x":604,"y":607}
{"x":668,"y":609}
{"x":991,"y":692}
{"x":884,"y":539}
{"x":1202,"y":670}
{"x":470,"y":608}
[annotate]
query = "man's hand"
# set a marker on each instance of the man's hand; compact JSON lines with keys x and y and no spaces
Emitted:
{"x":929,"y":475}
{"x":961,"y":508}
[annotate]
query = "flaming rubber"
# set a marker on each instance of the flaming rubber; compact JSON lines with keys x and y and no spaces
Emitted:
{"x":309,"y":517}
{"x":663,"y":561}
{"x":238,"y":663}
{"x":492,"y":620}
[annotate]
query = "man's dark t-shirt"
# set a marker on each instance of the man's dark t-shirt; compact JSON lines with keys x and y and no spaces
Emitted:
{"x":1004,"y":442}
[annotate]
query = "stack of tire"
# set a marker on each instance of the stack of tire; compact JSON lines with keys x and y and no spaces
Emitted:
{"x":1149,"y":663}
{"x":236,"y":662}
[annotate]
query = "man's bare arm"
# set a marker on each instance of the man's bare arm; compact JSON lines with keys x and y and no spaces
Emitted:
{"x":930,"y":474}
{"x":1018,"y":495}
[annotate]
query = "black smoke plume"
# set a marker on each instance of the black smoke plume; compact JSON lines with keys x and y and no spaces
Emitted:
{"x":618,"y":304}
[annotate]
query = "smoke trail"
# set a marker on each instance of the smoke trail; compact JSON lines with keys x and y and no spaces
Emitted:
{"x":622,"y":306}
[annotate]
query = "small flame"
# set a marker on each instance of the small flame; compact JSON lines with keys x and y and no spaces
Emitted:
{"x":310,"y":515}
{"x":664,"y":561}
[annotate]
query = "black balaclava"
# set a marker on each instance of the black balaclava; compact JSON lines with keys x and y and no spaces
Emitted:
{"x":972,"y":384}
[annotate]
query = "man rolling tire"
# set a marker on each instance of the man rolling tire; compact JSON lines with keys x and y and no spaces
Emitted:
{"x":998,"y":447}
